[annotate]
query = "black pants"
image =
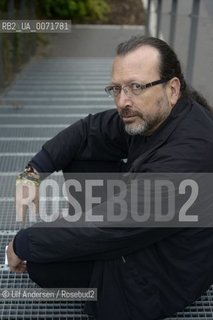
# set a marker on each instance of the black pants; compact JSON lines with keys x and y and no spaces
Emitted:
{"x":70,"y":274}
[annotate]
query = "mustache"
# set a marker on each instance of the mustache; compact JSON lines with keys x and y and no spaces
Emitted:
{"x":126,"y":112}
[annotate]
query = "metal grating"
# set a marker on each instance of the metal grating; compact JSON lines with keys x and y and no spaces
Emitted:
{"x":7,"y":183}
{"x":20,"y":146}
{"x":29,"y":132}
{"x":42,"y":310}
{"x":30,"y":115}
{"x":200,"y":309}
{"x":42,"y":119}
{"x":36,"y":107}
{"x":57,"y":101}
{"x":5,"y":237}
{"x":8,"y":219}
{"x":12,"y":111}
{"x":12,"y":162}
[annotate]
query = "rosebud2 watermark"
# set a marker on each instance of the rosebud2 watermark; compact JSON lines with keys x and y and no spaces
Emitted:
{"x":154,"y":200}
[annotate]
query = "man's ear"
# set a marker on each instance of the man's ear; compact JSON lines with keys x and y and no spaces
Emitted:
{"x":173,"y":90}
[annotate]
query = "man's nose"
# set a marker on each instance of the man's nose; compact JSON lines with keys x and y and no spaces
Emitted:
{"x":122,"y":100}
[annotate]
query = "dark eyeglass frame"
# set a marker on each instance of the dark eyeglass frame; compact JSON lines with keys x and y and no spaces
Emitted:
{"x":111,"y":93}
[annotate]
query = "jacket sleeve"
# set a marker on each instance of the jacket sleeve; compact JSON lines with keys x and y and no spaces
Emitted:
{"x":45,"y":244}
{"x":99,"y":137}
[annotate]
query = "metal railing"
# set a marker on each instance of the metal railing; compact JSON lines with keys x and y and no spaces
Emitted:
{"x":155,"y":29}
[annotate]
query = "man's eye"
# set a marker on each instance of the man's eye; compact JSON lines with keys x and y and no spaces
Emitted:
{"x":135,"y":86}
{"x":116,"y":89}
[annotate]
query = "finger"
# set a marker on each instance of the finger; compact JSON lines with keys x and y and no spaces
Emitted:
{"x":21,"y":210}
{"x":25,"y":194}
{"x":20,"y":207}
{"x":19,"y":268}
{"x":12,"y":269}
{"x":33,"y":212}
{"x":35,"y":208}
{"x":37,"y":200}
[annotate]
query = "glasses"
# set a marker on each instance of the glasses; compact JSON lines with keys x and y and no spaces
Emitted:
{"x":132,"y":89}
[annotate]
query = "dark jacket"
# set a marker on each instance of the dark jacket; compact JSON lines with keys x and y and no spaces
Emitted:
{"x":140,"y":274}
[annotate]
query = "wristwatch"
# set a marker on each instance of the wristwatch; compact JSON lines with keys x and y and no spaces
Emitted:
{"x":29,"y":176}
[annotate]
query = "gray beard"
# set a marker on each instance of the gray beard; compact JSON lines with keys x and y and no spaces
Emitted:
{"x":148,"y":126}
{"x":134,"y":130}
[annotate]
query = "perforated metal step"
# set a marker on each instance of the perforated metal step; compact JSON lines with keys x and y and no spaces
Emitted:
{"x":57,"y":109}
{"x":21,"y":146}
{"x":31,"y":114}
{"x":12,"y":162}
{"x":42,"y":310}
{"x":29,"y":131}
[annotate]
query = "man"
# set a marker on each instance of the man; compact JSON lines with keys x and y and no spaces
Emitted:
{"x":140,"y":273}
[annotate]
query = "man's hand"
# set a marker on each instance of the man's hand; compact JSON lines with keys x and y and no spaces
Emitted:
{"x":27,"y":193}
{"x":15,"y":264}
{"x":27,"y":196}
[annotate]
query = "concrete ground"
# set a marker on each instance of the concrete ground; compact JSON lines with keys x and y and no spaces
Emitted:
{"x":90,"y":40}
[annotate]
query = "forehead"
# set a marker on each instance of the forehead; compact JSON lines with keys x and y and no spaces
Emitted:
{"x":142,"y":63}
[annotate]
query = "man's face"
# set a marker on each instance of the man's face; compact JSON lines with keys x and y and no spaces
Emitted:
{"x":143,"y":113}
